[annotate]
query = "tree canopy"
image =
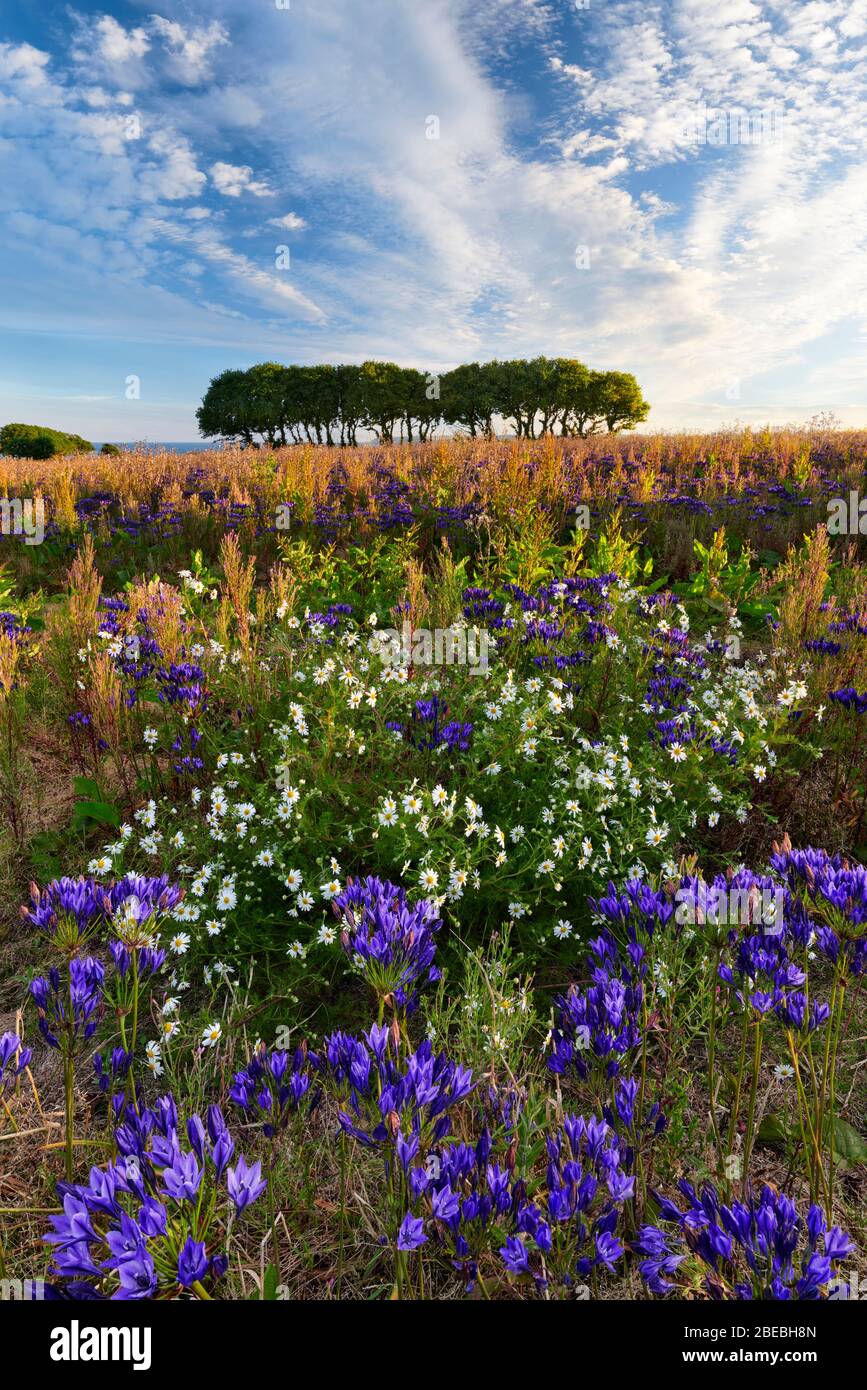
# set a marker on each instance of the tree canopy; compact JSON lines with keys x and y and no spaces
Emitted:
{"x":274,"y":404}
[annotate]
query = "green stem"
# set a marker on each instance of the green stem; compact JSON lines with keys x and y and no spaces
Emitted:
{"x":130,"y":1078}
{"x":711,"y":1055}
{"x":751,"y":1111}
{"x":815,"y":1167}
{"x":69,"y":1083}
{"x":736,"y":1103}
{"x":832,"y":1094}
{"x":341,"y":1253}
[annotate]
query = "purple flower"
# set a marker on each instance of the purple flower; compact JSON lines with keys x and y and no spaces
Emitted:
{"x":245,"y":1183}
{"x":411,"y":1234}
{"x":115,"y":1232}
{"x":69,"y":1008}
{"x":72,"y":906}
{"x":393,"y":940}
{"x":446,"y":1204}
{"x":756,"y":1248}
{"x":514,"y":1255}
{"x":138,"y":1278}
{"x":274,"y":1085}
{"x":13,"y":1059}
{"x":192,"y":1262}
{"x":183,"y":1178}
{"x":388,"y":1098}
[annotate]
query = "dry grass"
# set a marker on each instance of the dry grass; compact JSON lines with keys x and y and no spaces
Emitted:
{"x":550,"y":468}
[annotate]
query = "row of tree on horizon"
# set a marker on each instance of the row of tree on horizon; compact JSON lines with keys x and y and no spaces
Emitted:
{"x":276,"y":405}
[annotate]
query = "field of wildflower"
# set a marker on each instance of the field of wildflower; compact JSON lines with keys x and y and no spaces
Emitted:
{"x":436,"y":872}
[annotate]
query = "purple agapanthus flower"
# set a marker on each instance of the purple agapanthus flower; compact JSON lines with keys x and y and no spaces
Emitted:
{"x":117,"y":1232}
{"x":761,"y":1247}
{"x":245,"y":1183}
{"x":275,"y":1085}
{"x":76,"y":904}
{"x":389,"y":1097}
{"x":69,"y":1007}
{"x":411,"y":1234}
{"x":393,"y":940}
{"x":13,"y":1059}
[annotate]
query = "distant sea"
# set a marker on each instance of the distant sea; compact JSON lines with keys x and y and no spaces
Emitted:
{"x":183,"y":446}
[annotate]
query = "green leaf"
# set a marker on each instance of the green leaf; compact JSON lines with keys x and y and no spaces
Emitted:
{"x":755,"y":608}
{"x":100,"y":811}
{"x":87,"y":788}
{"x":848,"y":1143}
{"x":777,"y":1131}
{"x":269,"y":1286}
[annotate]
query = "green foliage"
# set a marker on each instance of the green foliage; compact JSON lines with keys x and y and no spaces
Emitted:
{"x":91,"y":809}
{"x":541,"y":396}
{"x":40,"y":442}
{"x":328,"y":405}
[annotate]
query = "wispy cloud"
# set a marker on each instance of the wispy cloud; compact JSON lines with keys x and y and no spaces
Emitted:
{"x":472,"y":178}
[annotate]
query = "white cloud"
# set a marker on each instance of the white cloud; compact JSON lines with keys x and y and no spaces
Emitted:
{"x":139,"y":56}
{"x":271,"y":290}
{"x":23,"y":64}
{"x":706,"y":263}
{"x":189,"y":49}
{"x":116,"y":44}
{"x":292,"y":222}
{"x":234,"y":179}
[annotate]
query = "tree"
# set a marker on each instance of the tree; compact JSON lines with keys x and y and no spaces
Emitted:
{"x":421,"y":403}
{"x":511,"y":385}
{"x":298,"y":409}
{"x":323,"y":404}
{"x":266,"y":403}
{"x":574,"y":401}
{"x":468,"y":397}
{"x":383,"y":387}
{"x":324,"y":401}
{"x":224,"y":411}
{"x":619,"y":401}
{"x":525,"y":390}
{"x":542,"y":378}
{"x":350,"y":396}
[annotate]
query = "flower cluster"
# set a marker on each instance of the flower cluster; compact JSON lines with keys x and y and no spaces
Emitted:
{"x":826,"y":903}
{"x":393,"y":941}
{"x":137,"y":903}
{"x":470,"y":1202}
{"x":70,"y":1007}
{"x":849,"y":698}
{"x":68,"y":908}
{"x":147,"y":1224}
{"x":465,"y":1194}
{"x":274,"y":1085}
{"x":599,"y":1028}
{"x":760,"y":1248}
{"x":393,"y":1100}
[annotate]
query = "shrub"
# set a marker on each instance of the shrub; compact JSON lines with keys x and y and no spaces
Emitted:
{"x":40,"y":442}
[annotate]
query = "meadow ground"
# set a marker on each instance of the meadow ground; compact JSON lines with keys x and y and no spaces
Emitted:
{"x":442,"y":871}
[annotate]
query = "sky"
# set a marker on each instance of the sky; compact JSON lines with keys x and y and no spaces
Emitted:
{"x":677,"y":190}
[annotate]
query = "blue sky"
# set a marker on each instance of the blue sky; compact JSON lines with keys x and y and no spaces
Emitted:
{"x":154,"y":157}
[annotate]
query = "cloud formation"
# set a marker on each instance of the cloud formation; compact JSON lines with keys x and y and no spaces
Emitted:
{"x":677,"y":189}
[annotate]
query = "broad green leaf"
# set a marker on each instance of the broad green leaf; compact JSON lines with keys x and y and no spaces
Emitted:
{"x":99,"y":811}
